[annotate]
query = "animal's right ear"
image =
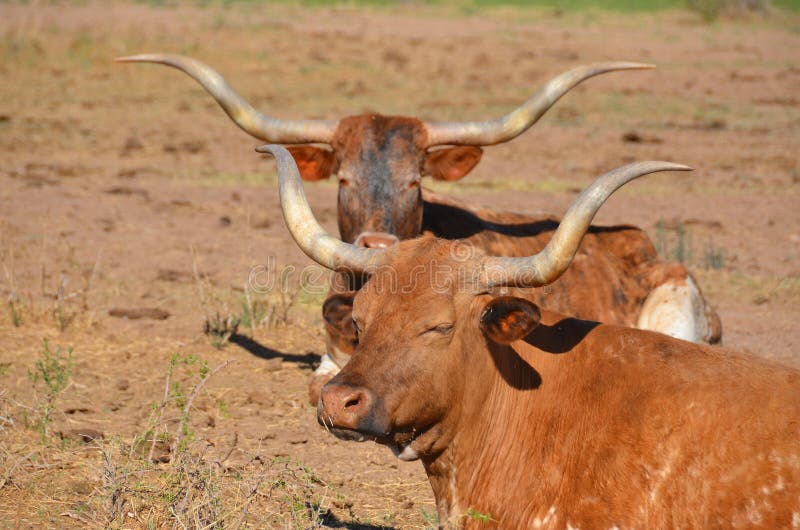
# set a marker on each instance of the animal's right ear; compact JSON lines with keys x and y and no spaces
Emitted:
{"x":506,"y":319}
{"x":452,"y":163}
{"x":314,"y":163}
{"x":337,"y":311}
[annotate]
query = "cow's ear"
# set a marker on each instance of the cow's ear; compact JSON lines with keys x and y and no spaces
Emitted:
{"x":314,"y":163}
{"x":452,"y":163}
{"x":337,"y":311}
{"x":507,"y":318}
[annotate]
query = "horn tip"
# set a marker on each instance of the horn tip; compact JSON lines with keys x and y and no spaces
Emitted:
{"x":133,"y":59}
{"x":667,"y":166}
{"x":632,"y":65}
{"x":144,"y":58}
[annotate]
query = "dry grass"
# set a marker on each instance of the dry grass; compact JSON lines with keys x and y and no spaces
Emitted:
{"x":166,"y":476}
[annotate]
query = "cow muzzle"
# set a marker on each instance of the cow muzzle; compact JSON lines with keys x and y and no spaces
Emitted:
{"x":376,"y":240}
{"x":351,"y":413}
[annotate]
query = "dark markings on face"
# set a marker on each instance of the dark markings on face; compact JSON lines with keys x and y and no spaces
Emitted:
{"x":379,"y":161}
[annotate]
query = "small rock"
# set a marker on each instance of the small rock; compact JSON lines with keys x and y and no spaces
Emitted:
{"x":635,"y":137}
{"x":407,"y":505}
{"x":225,"y":221}
{"x":273,"y":365}
{"x":131,"y":144}
{"x":632,"y":137}
{"x":259,"y":397}
{"x":260,"y":222}
{"x":84,"y":434}
{"x":126,"y":190}
{"x":73,"y":410}
{"x":123,"y":384}
{"x":139,"y":312}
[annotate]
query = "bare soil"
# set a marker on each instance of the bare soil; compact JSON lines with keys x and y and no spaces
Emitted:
{"x":132,"y":211}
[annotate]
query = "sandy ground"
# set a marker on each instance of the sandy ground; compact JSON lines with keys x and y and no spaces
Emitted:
{"x":125,"y":187}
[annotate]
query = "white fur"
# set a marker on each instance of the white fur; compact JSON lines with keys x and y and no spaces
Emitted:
{"x":327,"y":366}
{"x":677,"y":309}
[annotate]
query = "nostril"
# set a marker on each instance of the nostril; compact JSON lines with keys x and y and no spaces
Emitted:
{"x":353,"y":402}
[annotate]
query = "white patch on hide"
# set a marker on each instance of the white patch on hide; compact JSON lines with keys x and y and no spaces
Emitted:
{"x":677,"y":309}
{"x":327,"y":366}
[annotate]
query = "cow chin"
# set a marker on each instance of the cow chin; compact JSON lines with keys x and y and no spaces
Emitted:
{"x":403,"y":445}
{"x":399,"y":443}
{"x":404,"y":451}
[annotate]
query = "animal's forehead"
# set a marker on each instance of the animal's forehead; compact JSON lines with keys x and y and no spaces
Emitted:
{"x":378,"y":131}
{"x":425,"y":268}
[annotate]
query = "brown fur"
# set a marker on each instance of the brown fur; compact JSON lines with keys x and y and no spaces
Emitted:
{"x":580,"y":424}
{"x":614,"y":270}
{"x":380,"y":161}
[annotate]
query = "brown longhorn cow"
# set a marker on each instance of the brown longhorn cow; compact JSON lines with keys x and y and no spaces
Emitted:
{"x":531,"y":419}
{"x":380,"y":162}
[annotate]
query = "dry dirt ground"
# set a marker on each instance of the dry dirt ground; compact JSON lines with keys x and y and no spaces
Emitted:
{"x":124,"y":187}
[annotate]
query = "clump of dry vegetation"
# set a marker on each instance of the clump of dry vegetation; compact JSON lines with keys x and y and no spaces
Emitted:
{"x":165,"y":476}
{"x":48,"y":295}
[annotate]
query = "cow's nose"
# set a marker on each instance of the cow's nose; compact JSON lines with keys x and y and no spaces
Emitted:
{"x":346,"y":407}
{"x":376,"y":240}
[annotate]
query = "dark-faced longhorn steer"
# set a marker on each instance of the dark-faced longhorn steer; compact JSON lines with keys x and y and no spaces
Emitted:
{"x":542,"y":421}
{"x":380,"y":161}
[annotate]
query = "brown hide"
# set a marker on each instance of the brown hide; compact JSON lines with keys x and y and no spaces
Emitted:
{"x":579,"y":425}
{"x":609,"y":279}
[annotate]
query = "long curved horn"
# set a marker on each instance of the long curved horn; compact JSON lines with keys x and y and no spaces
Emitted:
{"x":518,"y":121}
{"x":547,"y":265}
{"x":328,"y":251}
{"x":240,"y":111}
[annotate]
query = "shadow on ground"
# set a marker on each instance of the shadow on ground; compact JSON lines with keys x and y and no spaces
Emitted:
{"x":307,"y":360}
{"x":331,"y":521}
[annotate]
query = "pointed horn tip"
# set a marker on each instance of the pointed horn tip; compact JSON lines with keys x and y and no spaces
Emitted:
{"x":129,"y":59}
{"x":632,"y":66}
{"x":142,"y":58}
{"x":677,"y":167}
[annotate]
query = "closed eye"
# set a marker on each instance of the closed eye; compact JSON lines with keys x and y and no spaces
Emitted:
{"x":442,"y":329}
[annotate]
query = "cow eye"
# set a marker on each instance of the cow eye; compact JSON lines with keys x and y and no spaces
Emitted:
{"x":413,"y":184}
{"x":442,"y":329}
{"x":358,"y":328}
{"x":344,"y":182}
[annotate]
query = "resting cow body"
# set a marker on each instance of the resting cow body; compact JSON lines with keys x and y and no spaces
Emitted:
{"x":525,"y":418}
{"x":617,"y":276}
{"x":380,"y":162}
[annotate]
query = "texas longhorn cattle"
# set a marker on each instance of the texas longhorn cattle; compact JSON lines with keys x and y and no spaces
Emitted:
{"x":537,"y":420}
{"x":380,"y":162}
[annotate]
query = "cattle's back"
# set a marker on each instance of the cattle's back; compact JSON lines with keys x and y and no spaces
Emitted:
{"x":608,"y":280}
{"x":634,"y":429}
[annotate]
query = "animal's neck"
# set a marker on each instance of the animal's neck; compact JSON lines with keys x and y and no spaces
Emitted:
{"x":510,"y":421}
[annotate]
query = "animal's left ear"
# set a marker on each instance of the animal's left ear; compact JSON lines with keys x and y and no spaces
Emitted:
{"x":507,"y":318}
{"x":314,"y":163}
{"x":452,"y":163}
